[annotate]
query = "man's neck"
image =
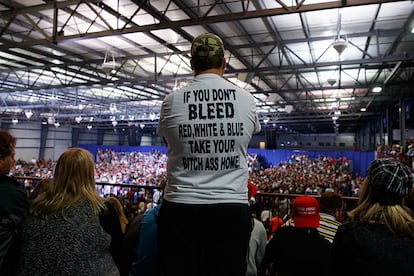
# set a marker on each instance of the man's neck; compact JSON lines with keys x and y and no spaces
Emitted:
{"x":217,"y":71}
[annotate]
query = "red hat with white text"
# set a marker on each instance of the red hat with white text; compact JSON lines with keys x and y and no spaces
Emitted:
{"x":306,"y":212}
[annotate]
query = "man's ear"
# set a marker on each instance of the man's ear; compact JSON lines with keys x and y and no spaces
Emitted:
{"x":223,"y":66}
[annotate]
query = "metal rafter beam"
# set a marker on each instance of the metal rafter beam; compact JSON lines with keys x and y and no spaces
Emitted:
{"x":192,"y":21}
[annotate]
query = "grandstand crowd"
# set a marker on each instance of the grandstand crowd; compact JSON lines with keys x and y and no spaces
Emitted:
{"x":297,"y":175}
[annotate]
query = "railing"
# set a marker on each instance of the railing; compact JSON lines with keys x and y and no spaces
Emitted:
{"x":29,"y":182}
{"x":277,"y":203}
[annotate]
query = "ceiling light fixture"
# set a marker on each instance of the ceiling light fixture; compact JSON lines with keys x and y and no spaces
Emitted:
{"x":57,"y":124}
{"x":51,"y":120}
{"x":28,"y":113}
{"x":141,"y":126}
{"x":331,"y":81}
{"x":78,"y":119}
{"x":112,"y":108}
{"x":152,"y":116}
{"x":363,"y":109}
{"x":109,"y":62}
{"x":377,"y":89}
{"x":89,"y":127}
{"x":340,"y":45}
{"x":15,"y":120}
{"x":114,"y":123}
{"x":288,"y":108}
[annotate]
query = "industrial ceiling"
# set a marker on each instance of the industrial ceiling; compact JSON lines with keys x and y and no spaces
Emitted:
{"x":312,"y":65}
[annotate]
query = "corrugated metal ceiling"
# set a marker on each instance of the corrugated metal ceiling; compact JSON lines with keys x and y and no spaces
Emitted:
{"x":52,"y":55}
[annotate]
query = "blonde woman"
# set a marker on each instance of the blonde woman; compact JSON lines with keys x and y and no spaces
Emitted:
{"x":63,"y":235}
{"x":380,"y":238}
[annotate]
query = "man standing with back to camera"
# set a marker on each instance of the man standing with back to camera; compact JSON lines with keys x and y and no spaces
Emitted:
{"x":204,"y":222}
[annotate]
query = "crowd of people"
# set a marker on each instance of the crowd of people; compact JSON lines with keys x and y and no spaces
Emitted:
{"x":300,"y":174}
{"x":197,"y":210}
{"x":405,"y":154}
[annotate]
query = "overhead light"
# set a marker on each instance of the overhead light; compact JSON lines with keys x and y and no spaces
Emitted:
{"x":348,"y":98}
{"x":57,"y":124}
{"x":363,"y":109}
{"x":334,"y":118}
{"x":337,"y":112}
{"x":114,"y":123}
{"x":109,"y":62}
{"x":141,"y":126}
{"x":89,"y":127}
{"x":78,"y":119}
{"x":331,"y":81}
{"x":266,"y":119}
{"x":53,"y":98}
{"x":44,"y":121}
{"x":288,"y":108}
{"x":412,"y":30}
{"x":28,"y":113}
{"x":377,"y":89}
{"x":51,"y":120}
{"x":340,"y":45}
{"x":15,"y":120}
{"x":112,"y":108}
{"x":152,"y":116}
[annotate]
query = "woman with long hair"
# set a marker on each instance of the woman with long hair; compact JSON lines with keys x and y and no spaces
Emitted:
{"x":63,"y":235}
{"x":379,"y":239}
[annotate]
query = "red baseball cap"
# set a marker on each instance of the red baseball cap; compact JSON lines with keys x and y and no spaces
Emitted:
{"x":306,"y":212}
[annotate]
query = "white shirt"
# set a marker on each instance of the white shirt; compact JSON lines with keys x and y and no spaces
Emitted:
{"x":208,"y":126}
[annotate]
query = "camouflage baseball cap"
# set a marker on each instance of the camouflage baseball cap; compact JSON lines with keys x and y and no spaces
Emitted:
{"x":206,"y":45}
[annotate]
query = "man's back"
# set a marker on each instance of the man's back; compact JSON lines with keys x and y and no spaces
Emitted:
{"x":298,"y":251}
{"x":204,"y":224}
{"x":208,"y":126}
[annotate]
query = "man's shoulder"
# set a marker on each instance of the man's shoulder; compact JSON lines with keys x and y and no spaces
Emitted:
{"x":329,"y":219}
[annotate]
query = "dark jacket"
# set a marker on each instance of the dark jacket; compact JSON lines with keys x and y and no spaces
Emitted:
{"x":370,"y":249}
{"x":129,"y":244}
{"x":109,"y":221}
{"x":297,"y":251}
{"x":14,"y":206}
